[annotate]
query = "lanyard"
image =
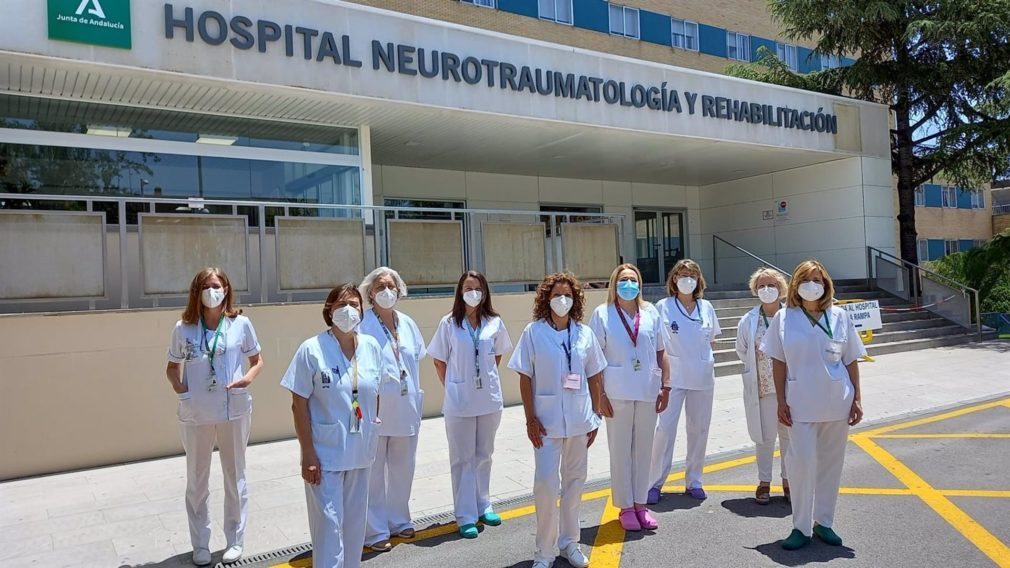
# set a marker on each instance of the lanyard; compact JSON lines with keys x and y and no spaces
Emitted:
{"x":475,"y":338}
{"x":700,"y":319}
{"x":353,"y":364}
{"x":826,"y":330}
{"x":211,"y":349}
{"x":393,"y":338}
{"x":633,"y":335}
{"x":566,"y":346}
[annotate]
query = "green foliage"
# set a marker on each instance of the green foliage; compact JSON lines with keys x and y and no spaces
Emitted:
{"x":987,"y":269}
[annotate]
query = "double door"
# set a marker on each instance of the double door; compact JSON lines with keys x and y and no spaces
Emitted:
{"x":659,"y":242}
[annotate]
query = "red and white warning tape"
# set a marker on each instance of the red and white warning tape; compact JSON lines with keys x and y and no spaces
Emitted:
{"x":918,"y":308}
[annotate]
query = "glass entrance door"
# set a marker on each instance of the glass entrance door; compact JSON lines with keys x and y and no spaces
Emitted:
{"x":659,"y":243}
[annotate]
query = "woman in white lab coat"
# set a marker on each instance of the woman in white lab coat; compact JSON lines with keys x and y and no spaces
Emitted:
{"x":760,"y":403}
{"x":560,"y":366}
{"x":635,"y":389}
{"x":334,"y":383}
{"x":402,"y":350}
{"x":815,"y":349}
{"x":693,"y":327}
{"x":467,"y":349}
{"x":205,"y":359}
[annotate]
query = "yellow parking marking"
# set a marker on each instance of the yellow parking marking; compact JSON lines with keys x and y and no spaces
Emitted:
{"x":948,"y":511}
{"x":609,"y":543}
{"x":778,"y":489}
{"x":941,"y":436}
{"x":937,"y":418}
{"x":974,"y":493}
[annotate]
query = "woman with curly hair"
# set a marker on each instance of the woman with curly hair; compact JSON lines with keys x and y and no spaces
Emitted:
{"x":560,"y":366}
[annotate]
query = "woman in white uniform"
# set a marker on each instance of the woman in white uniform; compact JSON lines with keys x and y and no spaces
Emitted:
{"x":635,"y":389}
{"x":467,"y":349}
{"x":759,"y":401}
{"x":402,"y":350}
{"x":334,"y":383}
{"x":815,"y":349}
{"x":205,"y":368}
{"x":560,"y":366}
{"x":693,"y":327}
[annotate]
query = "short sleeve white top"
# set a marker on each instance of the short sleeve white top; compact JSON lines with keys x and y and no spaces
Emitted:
{"x":454,"y":345}
{"x":632,"y":372}
{"x":321,"y":373}
{"x":818,"y":388}
{"x":541,"y":355}
{"x":402,"y":399}
{"x":692,"y":362}
{"x":206,"y":402}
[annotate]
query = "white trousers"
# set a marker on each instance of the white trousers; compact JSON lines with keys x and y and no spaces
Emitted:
{"x":561,"y":469}
{"x":392,"y":475}
{"x":697,"y":406}
{"x":471,"y":443}
{"x":336,"y":518}
{"x":815,"y":457}
{"x":770,"y":428}
{"x":629,"y":437}
{"x":198,"y":440}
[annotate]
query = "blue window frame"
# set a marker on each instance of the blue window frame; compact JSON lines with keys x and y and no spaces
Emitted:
{"x":738,"y":46}
{"x":624,"y":21}
{"x":684,"y":34}
{"x":559,"y":11}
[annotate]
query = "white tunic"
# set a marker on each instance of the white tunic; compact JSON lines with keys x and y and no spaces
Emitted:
{"x":203,"y":404}
{"x":400,"y":410}
{"x":818,"y":388}
{"x":320,"y":373}
{"x":453,"y":345}
{"x":621,"y":381}
{"x":540,"y":354}
{"x":692,"y":363}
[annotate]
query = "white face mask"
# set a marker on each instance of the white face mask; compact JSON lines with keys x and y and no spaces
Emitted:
{"x":473,"y":298}
{"x":212,"y":297}
{"x":811,"y":291}
{"x":768,"y":294}
{"x":687,"y":285}
{"x":346,"y":318}
{"x":386,"y":298}
{"x":561,"y":305}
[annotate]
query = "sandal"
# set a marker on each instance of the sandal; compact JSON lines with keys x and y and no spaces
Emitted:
{"x":762,"y":496}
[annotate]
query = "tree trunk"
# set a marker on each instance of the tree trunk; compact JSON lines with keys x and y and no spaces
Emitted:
{"x":907,"y":235}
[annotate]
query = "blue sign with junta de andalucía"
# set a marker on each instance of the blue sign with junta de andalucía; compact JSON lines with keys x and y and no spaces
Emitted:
{"x":96,"y":22}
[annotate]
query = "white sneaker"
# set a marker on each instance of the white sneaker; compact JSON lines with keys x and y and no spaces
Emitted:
{"x":573,"y":554}
{"x":233,"y":554}
{"x":542,"y":564}
{"x":201,"y":557}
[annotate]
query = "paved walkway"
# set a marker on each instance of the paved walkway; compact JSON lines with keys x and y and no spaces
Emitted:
{"x":133,"y":515}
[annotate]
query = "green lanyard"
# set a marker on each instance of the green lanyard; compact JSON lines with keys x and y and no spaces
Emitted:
{"x":827,"y":322}
{"x":211,"y":349}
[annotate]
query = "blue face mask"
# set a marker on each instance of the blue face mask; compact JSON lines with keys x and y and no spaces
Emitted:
{"x":627,"y":289}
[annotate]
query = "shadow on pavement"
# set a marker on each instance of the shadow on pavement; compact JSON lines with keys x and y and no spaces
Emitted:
{"x":675,"y":502}
{"x":815,"y":552}
{"x":746,"y":507}
{"x":178,"y":561}
{"x":997,"y":345}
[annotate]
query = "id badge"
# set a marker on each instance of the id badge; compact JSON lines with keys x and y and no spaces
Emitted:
{"x":834,"y":351}
{"x":636,"y":364}
{"x":355,"y":425}
{"x":212,"y":382}
{"x":403,"y":383}
{"x":477,"y":382}
{"x":573,"y":381}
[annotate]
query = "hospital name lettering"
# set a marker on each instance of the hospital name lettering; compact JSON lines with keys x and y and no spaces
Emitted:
{"x":324,"y":47}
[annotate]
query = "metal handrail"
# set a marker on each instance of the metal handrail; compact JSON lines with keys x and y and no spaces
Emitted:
{"x":715,"y":258}
{"x":1001,"y":209}
{"x":950,"y":282}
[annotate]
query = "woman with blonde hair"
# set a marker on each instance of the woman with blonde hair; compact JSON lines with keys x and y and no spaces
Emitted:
{"x":815,"y":349}
{"x":560,"y":366}
{"x":760,"y":403}
{"x":205,"y":358}
{"x":693,"y":327}
{"x":635,"y":389}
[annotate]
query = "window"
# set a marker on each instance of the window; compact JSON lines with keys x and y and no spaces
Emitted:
{"x":920,"y":196}
{"x":559,"y":11}
{"x":978,"y":199}
{"x":923,"y":249}
{"x":950,"y":246}
{"x":979,"y":243}
{"x":624,"y":21}
{"x":685,"y":34}
{"x":574,"y":218}
{"x":485,"y":3}
{"x":830,"y":61}
{"x":738,"y":46}
{"x":788,"y":54}
{"x":949,"y":196}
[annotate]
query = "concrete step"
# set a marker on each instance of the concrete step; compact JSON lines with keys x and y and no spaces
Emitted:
{"x":883,"y":298}
{"x":729,"y":332}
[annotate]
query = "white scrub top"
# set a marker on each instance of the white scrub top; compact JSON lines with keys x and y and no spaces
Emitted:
{"x":692,"y":363}
{"x":320,"y":373}
{"x":818,"y":388}
{"x":540,"y":355}
{"x":202,"y":404}
{"x":620,"y":379}
{"x":402,"y":401}
{"x":453,"y":345}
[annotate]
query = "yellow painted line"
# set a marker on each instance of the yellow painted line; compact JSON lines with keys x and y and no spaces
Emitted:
{"x":941,"y":436}
{"x":974,"y":493}
{"x":937,"y":418}
{"x":967,"y":526}
{"x":778,"y":489}
{"x":609,"y":543}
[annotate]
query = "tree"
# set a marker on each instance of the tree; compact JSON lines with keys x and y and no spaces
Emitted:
{"x":943,"y":68}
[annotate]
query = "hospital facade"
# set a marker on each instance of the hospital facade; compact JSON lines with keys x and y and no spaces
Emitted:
{"x":301,"y":143}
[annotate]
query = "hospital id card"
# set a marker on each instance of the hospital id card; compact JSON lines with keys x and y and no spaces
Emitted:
{"x":573,"y":381}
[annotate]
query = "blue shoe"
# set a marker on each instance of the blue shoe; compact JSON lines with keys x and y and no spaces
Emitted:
{"x":697,"y":493}
{"x":468,"y":531}
{"x":654,"y":496}
{"x":490,"y":519}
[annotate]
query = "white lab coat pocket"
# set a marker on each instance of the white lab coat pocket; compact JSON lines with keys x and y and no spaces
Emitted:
{"x":547,"y":408}
{"x":833,"y":354}
{"x":239,"y":403}
{"x":185,"y":411}
{"x":616,"y":383}
{"x":330,"y":441}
